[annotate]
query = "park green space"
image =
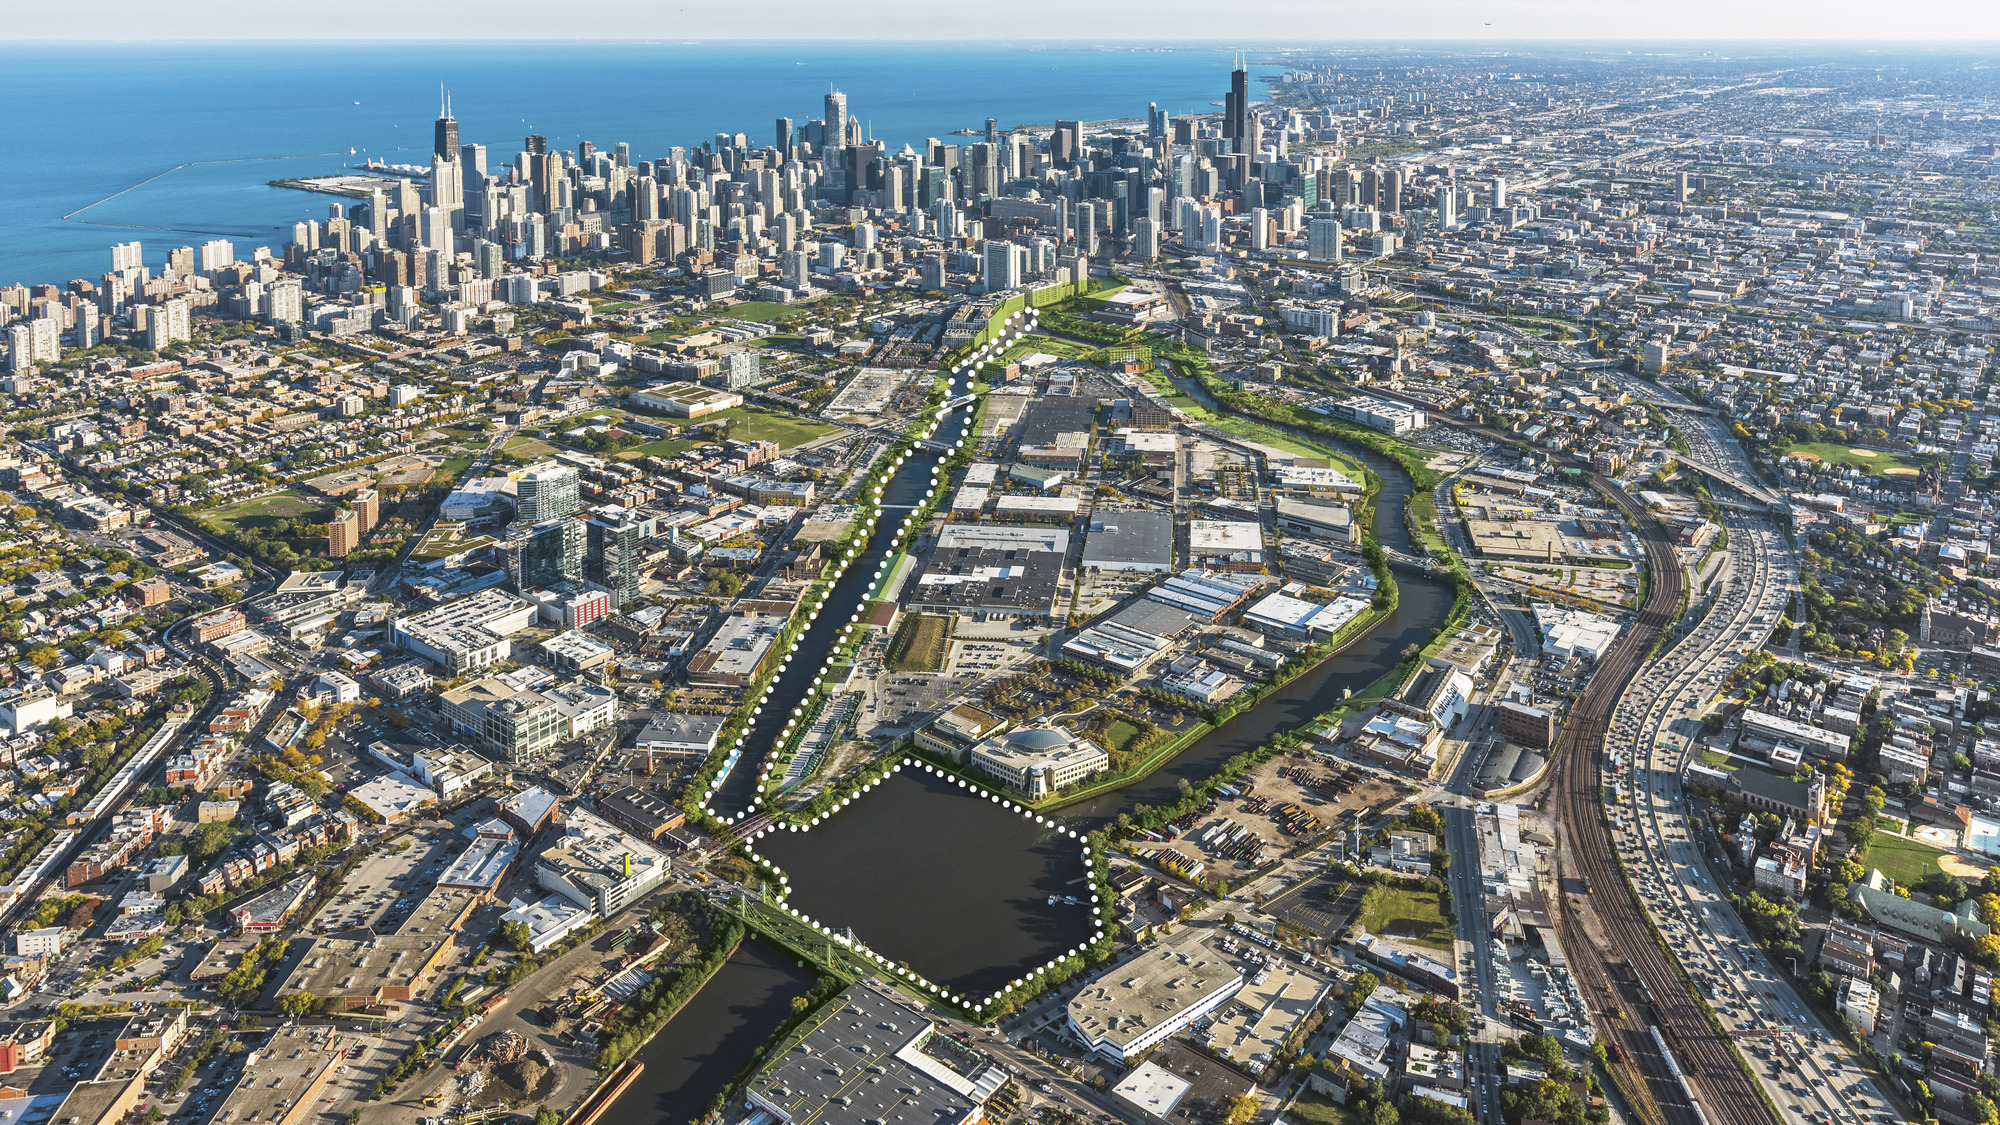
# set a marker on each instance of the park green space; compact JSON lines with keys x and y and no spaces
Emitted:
{"x":1906,"y":861}
{"x":762,"y":311}
{"x":1118,"y":734}
{"x":529,"y":447}
{"x":754,"y":423}
{"x":1874,"y":461}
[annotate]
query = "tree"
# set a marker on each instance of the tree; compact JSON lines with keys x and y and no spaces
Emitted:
{"x":516,"y":936}
{"x":547,"y":1115}
{"x":1242,"y":1108}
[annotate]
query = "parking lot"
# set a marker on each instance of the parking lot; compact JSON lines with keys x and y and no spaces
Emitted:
{"x":384,"y":888}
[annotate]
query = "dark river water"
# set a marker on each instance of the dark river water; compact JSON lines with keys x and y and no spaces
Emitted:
{"x":714,"y":1037}
{"x":956,"y":886}
{"x":906,"y":488}
{"x":953,"y":884}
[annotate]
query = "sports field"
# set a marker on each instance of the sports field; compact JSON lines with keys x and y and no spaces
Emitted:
{"x":1879,"y":462}
{"x":266,"y":510}
{"x":1906,"y":861}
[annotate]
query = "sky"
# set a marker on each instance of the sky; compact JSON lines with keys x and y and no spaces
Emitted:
{"x":1253,"y":22}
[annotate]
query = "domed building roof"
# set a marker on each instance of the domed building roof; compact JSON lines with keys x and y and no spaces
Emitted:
{"x":1039,"y":739}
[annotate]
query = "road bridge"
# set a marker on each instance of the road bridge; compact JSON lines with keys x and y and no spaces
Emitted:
{"x":1753,"y":491}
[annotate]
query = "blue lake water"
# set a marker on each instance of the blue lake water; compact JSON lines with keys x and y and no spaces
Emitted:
{"x":221,"y":120}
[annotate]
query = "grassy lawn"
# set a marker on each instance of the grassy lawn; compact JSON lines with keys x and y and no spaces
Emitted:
{"x":1277,"y":439}
{"x":1047,"y":345}
{"x":921,"y":643}
{"x":1905,"y":860}
{"x":1878,"y":462}
{"x":760,"y":311}
{"x":1318,"y":1109}
{"x":664,"y":447}
{"x":754,"y":423}
{"x":1720,"y":759}
{"x":452,"y":469}
{"x":266,"y":509}
{"x":1411,"y":916}
{"x":528,"y":447}
{"x":1118,"y":734}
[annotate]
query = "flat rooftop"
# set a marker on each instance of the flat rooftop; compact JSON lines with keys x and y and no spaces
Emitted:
{"x":1129,"y":999}
{"x":1003,"y":537}
{"x":289,"y":1070}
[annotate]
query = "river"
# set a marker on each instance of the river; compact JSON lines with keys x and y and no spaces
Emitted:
{"x":714,"y":1037}
{"x":906,"y":488}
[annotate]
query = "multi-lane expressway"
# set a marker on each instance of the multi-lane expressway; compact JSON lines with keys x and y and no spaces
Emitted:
{"x":1649,"y":736}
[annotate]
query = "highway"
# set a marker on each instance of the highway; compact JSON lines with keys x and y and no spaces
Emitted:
{"x":1664,"y":858}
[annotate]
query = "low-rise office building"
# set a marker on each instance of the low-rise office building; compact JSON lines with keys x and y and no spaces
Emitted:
{"x":1038,"y":761}
{"x":599,"y":866}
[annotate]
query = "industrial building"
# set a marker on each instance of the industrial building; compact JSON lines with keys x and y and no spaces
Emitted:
{"x":599,"y":866}
{"x":874,"y":1060}
{"x":987,"y":582}
{"x":1568,"y":633}
{"x":733,"y":655}
{"x":366,"y":972}
{"x":1132,"y":1006}
{"x":1321,"y":519}
{"x":1374,"y":413}
{"x":672,"y":732}
{"x":685,"y":400}
{"x":1138,"y":540}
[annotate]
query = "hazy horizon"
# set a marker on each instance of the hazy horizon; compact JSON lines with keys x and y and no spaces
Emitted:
{"x":1955,"y":23}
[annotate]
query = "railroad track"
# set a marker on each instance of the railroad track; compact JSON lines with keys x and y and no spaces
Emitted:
{"x":1710,"y":1087}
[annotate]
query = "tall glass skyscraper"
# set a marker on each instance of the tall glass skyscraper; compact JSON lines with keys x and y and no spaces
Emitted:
{"x":544,"y":492}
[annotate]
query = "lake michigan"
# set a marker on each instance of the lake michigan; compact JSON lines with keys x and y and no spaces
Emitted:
{"x":173,"y":145}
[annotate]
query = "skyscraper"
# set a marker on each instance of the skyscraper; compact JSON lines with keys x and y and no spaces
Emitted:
{"x":784,"y":135}
{"x":1499,"y":192}
{"x":1000,"y":264}
{"x":447,"y":173}
{"x":993,"y":131}
{"x":545,"y":491}
{"x":1323,"y":240}
{"x":544,"y":554}
{"x":286,"y":304}
{"x":983,"y":172}
{"x":1066,"y":143}
{"x":836,"y":121}
{"x":611,"y":554}
{"x":445,"y":136}
{"x":1145,"y":239}
{"x":1392,"y":190}
{"x":1236,"y":108}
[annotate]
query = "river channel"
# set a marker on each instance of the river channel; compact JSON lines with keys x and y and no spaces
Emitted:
{"x":906,"y":488}
{"x":714,"y":1037}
